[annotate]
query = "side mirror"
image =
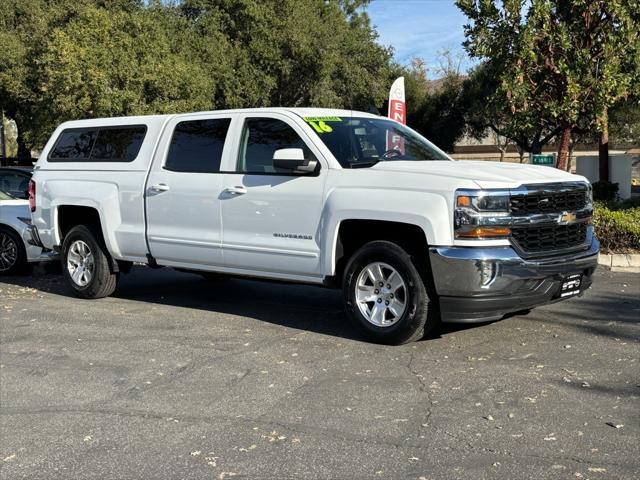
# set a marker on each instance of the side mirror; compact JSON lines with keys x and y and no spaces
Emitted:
{"x":292,"y":160}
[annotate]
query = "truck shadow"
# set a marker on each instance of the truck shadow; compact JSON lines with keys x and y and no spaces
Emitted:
{"x":295,"y":306}
{"x":302,"y":307}
{"x":601,"y":311}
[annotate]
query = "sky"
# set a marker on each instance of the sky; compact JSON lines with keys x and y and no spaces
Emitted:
{"x":419,"y":28}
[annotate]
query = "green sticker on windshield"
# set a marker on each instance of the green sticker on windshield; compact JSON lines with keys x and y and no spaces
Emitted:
{"x":319,"y":124}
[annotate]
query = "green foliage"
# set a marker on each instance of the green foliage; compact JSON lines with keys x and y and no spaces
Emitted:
{"x":617,"y":227}
{"x":69,"y":59}
{"x":624,"y":122}
{"x":442,"y":116}
{"x":110,"y":63}
{"x":416,"y":85}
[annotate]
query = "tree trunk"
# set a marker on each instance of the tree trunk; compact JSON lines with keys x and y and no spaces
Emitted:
{"x":3,"y":139}
{"x":571,"y":149}
{"x":23,"y":150}
{"x":563,"y":148}
{"x":501,"y":155}
{"x":603,"y":150}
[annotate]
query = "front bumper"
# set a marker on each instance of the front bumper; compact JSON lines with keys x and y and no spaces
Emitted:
{"x":481,"y":284}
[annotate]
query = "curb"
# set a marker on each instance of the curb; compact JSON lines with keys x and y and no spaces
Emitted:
{"x":621,"y":262}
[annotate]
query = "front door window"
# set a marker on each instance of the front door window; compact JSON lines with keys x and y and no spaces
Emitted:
{"x":260,"y":139}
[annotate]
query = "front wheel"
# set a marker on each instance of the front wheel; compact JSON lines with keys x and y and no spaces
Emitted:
{"x":385,"y":294}
{"x":85,"y":263}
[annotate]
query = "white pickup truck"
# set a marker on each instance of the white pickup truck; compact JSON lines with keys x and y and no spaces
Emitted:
{"x":327,"y":197}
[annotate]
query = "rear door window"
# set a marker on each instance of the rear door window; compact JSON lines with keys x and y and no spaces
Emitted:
{"x":196,"y":145}
{"x":99,"y":144}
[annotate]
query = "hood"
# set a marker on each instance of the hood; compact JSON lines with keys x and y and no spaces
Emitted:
{"x":484,"y":173}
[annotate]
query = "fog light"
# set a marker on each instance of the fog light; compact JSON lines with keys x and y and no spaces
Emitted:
{"x":487,"y":272}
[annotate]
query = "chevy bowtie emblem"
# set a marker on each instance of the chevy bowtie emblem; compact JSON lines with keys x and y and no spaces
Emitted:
{"x":566,"y":217}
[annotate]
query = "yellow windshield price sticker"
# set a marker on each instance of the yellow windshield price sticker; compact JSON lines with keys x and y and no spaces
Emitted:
{"x":319,"y":124}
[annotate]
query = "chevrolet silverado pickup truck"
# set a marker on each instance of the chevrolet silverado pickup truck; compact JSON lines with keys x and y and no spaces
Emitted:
{"x":338,"y":198}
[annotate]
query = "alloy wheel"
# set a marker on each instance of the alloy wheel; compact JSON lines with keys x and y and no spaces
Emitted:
{"x":381,"y":294}
{"x":80,"y":263}
{"x":8,"y":252}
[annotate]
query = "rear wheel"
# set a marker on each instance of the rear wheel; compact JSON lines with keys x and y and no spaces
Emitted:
{"x":13,"y":256}
{"x":85,"y":263}
{"x":385,"y":295}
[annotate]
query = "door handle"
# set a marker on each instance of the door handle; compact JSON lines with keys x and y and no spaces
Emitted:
{"x":237,"y":190}
{"x":160,"y":187}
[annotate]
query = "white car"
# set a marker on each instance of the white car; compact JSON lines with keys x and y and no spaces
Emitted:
{"x":327,"y":197}
{"x":16,"y":253}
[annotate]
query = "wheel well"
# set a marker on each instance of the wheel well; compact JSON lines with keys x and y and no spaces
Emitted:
{"x":70,"y":216}
{"x":9,"y":228}
{"x":353,"y":234}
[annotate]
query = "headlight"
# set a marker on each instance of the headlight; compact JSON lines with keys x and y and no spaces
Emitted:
{"x":480,"y":214}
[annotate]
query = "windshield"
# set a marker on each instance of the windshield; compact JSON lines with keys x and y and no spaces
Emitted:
{"x":5,"y":196}
{"x":363,"y":142}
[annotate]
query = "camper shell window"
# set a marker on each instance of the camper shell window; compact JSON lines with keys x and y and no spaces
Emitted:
{"x":99,"y":144}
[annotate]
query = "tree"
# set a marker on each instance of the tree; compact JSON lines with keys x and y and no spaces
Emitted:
{"x":434,"y":107}
{"x":66,"y":59}
{"x":624,"y":122}
{"x":296,"y":52}
{"x":416,"y":85}
{"x":485,"y":110}
{"x":108,"y":63}
{"x":502,"y":144}
{"x":562,"y":64}
{"x":442,"y":117}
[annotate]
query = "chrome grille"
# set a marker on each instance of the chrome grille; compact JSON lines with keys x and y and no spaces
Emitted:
{"x":545,"y":205}
{"x":549,"y":199}
{"x":549,"y":238}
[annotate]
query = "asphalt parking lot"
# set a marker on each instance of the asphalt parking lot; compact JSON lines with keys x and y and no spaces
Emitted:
{"x":176,"y":377}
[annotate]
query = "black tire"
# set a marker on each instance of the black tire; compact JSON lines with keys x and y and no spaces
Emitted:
{"x":10,"y":239}
{"x":103,"y":281}
{"x":416,"y":320}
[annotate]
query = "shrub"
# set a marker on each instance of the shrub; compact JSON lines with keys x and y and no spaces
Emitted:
{"x":604,"y":191}
{"x":617,"y":227}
